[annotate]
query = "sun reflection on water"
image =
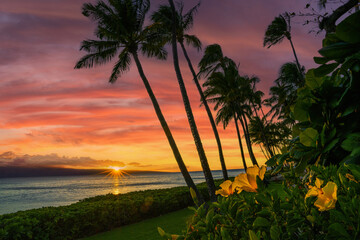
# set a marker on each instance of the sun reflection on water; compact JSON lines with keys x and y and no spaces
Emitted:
{"x":117,"y":174}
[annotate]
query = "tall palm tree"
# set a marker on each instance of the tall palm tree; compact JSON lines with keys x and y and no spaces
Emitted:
{"x":279,"y":29}
{"x":221,"y":89}
{"x":163,"y":16}
{"x":213,"y":61}
{"x":200,"y":149}
{"x":120,"y":34}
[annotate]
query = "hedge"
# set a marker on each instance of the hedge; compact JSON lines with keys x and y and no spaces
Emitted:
{"x":93,"y":215}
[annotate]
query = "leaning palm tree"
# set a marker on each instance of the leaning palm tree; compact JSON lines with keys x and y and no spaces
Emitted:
{"x":279,"y":29}
{"x":220,"y":90}
{"x":163,"y":17}
{"x":214,"y":61}
{"x":121,"y":35}
{"x":200,"y":149}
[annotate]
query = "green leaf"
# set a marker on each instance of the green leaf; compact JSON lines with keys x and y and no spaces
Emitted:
{"x":300,"y":168}
{"x":262,"y":199}
{"x":339,"y":50}
{"x":337,"y":231}
{"x":272,"y":161}
{"x":331,"y":145}
{"x":275,"y":232}
{"x":261,"y":222}
{"x":301,"y":111}
{"x":194,"y":197}
{"x":225,"y":234}
{"x":337,"y":216}
{"x":209,"y":217}
{"x":351,"y":142}
{"x":312,"y":80}
{"x":161,"y":232}
{"x":325,"y":69}
{"x":308,"y":137}
{"x":349,"y":29}
{"x":265,"y":212}
{"x":252,"y":235}
{"x":330,"y":38}
{"x":321,"y":60}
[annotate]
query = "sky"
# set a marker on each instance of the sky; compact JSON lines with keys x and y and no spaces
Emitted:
{"x":52,"y":115}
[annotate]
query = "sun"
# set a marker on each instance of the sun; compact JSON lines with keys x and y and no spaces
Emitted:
{"x":115,"y":172}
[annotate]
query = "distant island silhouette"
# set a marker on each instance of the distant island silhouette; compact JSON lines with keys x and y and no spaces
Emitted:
{"x":10,"y":172}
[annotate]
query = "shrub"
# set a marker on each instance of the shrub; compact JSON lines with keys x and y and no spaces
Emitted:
{"x":280,"y":210}
{"x":94,"y":215}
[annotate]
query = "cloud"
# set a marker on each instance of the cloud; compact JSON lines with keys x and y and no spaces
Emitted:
{"x":10,"y":159}
{"x":49,"y":107}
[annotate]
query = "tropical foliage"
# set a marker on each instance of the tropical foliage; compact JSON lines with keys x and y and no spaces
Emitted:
{"x":311,"y":189}
{"x":284,"y":210}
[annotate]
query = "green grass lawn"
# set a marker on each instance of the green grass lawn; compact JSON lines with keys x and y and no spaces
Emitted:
{"x":172,"y":223}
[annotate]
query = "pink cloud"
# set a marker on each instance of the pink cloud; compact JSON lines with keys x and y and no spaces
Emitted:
{"x":45,"y":102}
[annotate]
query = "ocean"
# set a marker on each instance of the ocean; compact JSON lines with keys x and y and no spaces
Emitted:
{"x":18,"y":194}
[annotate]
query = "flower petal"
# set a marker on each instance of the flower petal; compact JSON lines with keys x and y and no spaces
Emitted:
{"x":262,"y":172}
{"x":321,"y":203}
{"x":252,"y":172}
{"x":330,"y":190}
{"x":222,"y":192}
{"x":312,"y":192}
{"x":331,"y":204}
{"x":241,"y":181}
{"x":318,"y":182}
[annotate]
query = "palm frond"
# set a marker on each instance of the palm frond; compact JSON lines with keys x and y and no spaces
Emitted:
{"x":97,"y":46}
{"x":276,"y":31}
{"x":193,"y":40}
{"x":97,"y":58}
{"x":122,"y":65}
{"x":188,"y":18}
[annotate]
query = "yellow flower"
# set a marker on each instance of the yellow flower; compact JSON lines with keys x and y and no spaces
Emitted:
{"x":226,"y":189}
{"x":326,"y":196}
{"x":247,"y":181}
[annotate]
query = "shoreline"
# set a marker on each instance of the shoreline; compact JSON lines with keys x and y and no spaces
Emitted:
{"x":96,"y":214}
{"x":21,"y":194}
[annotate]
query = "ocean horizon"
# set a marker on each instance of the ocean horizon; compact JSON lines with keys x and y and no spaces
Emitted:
{"x":24,"y":193}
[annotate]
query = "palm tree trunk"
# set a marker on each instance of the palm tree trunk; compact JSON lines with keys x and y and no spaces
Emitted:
{"x":240,"y":144}
{"x":208,"y":111}
{"x":263,"y":132}
{"x":200,"y":149}
{"x":248,"y":142}
{"x":296,"y":59}
{"x":190,"y":183}
{"x":262,"y":111}
{"x":264,"y":152}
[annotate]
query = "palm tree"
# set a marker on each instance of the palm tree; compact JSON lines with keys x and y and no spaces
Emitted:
{"x":163,"y":17}
{"x":214,"y":60}
{"x":121,"y":34}
{"x":200,"y":149}
{"x":222,"y":90}
{"x":279,"y":29}
{"x":254,"y":97}
{"x":284,"y":93}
